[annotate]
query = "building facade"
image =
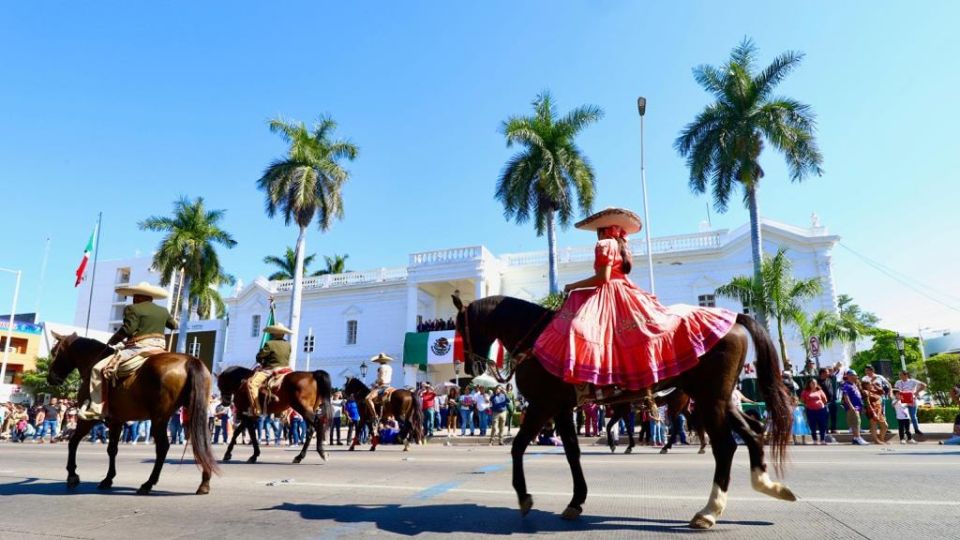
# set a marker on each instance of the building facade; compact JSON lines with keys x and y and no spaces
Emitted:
{"x":351,"y":317}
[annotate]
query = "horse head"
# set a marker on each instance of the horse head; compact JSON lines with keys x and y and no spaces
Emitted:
{"x":229,"y":381}
{"x":355,"y":387}
{"x":62,"y":362}
{"x":472,"y":323}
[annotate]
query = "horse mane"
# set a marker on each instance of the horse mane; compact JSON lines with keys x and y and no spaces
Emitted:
{"x":356,"y":387}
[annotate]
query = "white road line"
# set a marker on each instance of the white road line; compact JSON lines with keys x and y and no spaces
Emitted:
{"x":637,"y":496}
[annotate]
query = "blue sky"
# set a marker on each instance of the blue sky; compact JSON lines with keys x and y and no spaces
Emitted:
{"x":123,"y":107}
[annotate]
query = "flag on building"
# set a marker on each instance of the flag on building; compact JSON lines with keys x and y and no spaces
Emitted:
{"x":425,"y":348}
{"x":271,"y":320}
{"x":86,"y":257}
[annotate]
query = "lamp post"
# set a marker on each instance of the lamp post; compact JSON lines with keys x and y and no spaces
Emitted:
{"x":903,"y":358}
{"x":363,"y":371}
{"x":456,"y":373}
{"x":7,"y":345}
{"x":642,"y":109}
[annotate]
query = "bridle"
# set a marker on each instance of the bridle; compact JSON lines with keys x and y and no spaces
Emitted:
{"x":518,"y":357}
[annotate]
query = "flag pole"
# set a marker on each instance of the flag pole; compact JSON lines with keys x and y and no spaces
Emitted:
{"x":93,"y":274}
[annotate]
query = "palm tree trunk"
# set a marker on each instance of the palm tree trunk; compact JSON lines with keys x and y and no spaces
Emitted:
{"x":783,"y":345}
{"x":552,"y":253}
{"x":184,"y":314}
{"x":756,"y":246}
{"x":297,"y":295}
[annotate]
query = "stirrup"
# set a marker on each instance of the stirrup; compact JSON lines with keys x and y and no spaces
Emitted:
{"x":583,"y":393}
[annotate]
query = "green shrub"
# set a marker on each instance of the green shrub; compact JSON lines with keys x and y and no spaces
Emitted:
{"x":928,"y":415}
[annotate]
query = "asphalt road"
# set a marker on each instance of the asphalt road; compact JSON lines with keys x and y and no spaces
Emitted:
{"x":465,"y":492}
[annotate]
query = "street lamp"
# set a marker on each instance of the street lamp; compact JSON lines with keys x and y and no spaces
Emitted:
{"x":9,"y":342}
{"x":903,"y":358}
{"x":642,"y":109}
{"x":456,"y":374}
{"x":363,"y":370}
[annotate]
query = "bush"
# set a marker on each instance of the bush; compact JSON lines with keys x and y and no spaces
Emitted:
{"x":927,"y":415}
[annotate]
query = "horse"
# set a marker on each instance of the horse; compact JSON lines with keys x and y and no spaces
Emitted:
{"x":304,"y":391}
{"x":516,"y":324}
{"x":164,"y":383}
{"x":403,"y":405}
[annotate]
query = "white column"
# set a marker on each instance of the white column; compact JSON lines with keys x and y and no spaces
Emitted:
{"x":478,"y":291}
{"x":412,"y":293}
{"x":410,"y":376}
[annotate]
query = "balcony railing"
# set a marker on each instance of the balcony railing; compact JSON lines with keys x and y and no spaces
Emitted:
{"x":348,"y":279}
{"x":442,"y":256}
{"x":667,"y":244}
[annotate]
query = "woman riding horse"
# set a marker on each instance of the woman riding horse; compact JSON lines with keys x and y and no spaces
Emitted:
{"x":614,"y":334}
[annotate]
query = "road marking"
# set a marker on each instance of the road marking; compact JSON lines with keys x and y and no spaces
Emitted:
{"x":438,"y":489}
{"x":444,"y":488}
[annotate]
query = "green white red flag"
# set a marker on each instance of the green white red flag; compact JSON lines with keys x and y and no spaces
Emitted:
{"x":86,"y":257}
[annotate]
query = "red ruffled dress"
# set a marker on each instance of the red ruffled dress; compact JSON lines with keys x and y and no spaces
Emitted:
{"x":618,"y":334}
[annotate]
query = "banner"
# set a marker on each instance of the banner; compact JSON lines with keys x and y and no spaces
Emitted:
{"x":425,"y":348}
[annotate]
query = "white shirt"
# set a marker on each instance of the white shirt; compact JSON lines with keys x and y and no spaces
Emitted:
{"x":481,"y":400}
{"x":909,"y":385}
{"x":384,"y":374}
{"x":337,"y":405}
{"x":876,"y":378}
{"x":736,"y":399}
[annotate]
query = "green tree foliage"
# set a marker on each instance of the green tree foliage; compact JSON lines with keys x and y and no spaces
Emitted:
{"x":335,"y":265}
{"x":550,"y":177}
{"x":36,"y":381}
{"x":944,"y":373}
{"x":885,"y":348}
{"x":286,"y":265}
{"x":851,"y":313}
{"x":553,"y":302}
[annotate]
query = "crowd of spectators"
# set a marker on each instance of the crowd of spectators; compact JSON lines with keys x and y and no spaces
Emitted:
{"x":436,"y":325}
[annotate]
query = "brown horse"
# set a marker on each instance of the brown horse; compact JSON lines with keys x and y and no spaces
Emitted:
{"x":403,"y":405}
{"x":517,"y":324}
{"x":303,"y":391}
{"x":163,"y":384}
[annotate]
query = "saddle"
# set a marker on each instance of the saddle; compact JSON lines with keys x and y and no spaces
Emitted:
{"x":273,"y":384}
{"x":614,"y":395}
{"x":116,"y":371}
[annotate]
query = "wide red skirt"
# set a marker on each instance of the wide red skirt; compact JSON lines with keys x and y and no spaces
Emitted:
{"x":617,"y":334}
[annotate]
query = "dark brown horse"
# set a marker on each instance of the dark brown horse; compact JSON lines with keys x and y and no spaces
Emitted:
{"x":403,"y":405}
{"x":303,"y":391}
{"x":517,"y":324}
{"x":163,"y":384}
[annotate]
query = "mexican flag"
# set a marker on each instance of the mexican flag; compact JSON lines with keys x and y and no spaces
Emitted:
{"x":424,"y":348}
{"x":271,"y":319}
{"x":86,"y":258}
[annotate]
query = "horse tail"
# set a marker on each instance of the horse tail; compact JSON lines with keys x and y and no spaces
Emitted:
{"x":325,"y":391}
{"x":774,"y":392}
{"x":198,"y":384}
{"x":416,"y":417}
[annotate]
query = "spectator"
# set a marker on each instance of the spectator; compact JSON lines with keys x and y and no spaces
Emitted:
{"x":656,"y":425}
{"x":482,"y":402}
{"x":903,"y":419}
{"x":51,"y":421}
{"x":221,"y":420}
{"x":428,"y":399}
{"x":352,"y":412}
{"x":678,"y":427}
{"x":336,"y":403}
{"x":176,"y":427}
{"x":390,"y":431}
{"x":466,"y":405}
{"x":548,"y":435}
{"x":853,"y":404}
{"x":800,"y":426}
{"x":453,"y":412}
{"x":873,"y":398}
{"x":955,"y":439}
{"x":498,"y":411}
{"x":809,"y":369}
{"x":511,"y":406}
{"x":871,"y":376}
{"x":298,"y":429}
{"x":98,"y":433}
{"x":910,"y":389}
{"x":815,"y":404}
{"x":590,"y":412}
{"x":737,"y":398}
{"x":828,"y":385}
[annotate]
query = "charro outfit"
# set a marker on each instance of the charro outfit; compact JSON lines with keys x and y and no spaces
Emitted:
{"x":618,"y":334}
{"x":142,"y":332}
{"x":382,"y":385}
{"x":274,"y":354}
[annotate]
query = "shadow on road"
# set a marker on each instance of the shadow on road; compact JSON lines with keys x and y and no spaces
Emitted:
{"x":467,"y":518}
{"x":46,"y":486}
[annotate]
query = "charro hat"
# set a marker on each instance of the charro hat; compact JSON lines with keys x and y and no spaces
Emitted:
{"x":142,"y":289}
{"x":381,"y":359}
{"x":278,"y":328}
{"x":621,"y":217}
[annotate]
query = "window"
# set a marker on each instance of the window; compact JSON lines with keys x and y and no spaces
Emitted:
{"x":707,"y":300}
{"x":123,"y":275}
{"x":351,"y":332}
{"x":308,"y":343}
{"x":746,"y":309}
{"x":195,"y":348}
{"x":255,"y":326}
{"x":17,"y":345}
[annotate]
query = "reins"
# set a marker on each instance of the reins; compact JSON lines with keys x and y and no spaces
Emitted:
{"x":518,"y":357}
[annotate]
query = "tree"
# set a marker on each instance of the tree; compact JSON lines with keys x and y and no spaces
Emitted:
{"x":828,"y":327}
{"x":885,"y":348}
{"x":335,"y":265}
{"x":777,"y":293}
{"x":36,"y":381}
{"x":304,"y":185}
{"x":550,"y":176}
{"x":723,"y":144}
{"x":852,"y":313}
{"x":287,"y":264}
{"x":943,"y":371}
{"x":188,"y":248}
{"x":553,"y":302}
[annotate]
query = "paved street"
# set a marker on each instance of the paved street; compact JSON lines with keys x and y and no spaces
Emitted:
{"x":464,"y":491}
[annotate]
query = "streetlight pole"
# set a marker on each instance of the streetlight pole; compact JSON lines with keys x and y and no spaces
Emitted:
{"x":642,"y":109}
{"x":13,"y":311}
{"x":903,"y":358}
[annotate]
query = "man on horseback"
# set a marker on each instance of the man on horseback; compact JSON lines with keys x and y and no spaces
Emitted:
{"x":381,"y":386}
{"x":142,"y":332}
{"x":274,"y":354}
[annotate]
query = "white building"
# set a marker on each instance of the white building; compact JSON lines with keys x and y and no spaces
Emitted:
{"x":356,"y":315}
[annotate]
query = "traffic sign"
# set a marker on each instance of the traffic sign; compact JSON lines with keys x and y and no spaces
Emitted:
{"x":814,"y":346}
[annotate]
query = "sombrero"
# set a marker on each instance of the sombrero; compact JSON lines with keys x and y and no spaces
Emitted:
{"x":381,"y":359}
{"x":278,"y":328}
{"x":625,"y":219}
{"x":142,"y":289}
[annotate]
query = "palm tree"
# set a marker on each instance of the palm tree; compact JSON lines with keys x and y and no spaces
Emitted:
{"x":188,"y":249}
{"x":303,"y":185}
{"x":828,"y":327}
{"x":335,"y":265}
{"x":777,"y":293}
{"x":287,"y":264}
{"x":550,"y":175}
{"x":723,"y":144}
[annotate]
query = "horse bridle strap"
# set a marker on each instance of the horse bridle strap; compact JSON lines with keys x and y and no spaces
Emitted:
{"x":518,"y":357}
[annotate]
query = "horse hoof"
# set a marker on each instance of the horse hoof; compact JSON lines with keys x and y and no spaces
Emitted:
{"x":629,"y":450}
{"x":701,"y":451}
{"x":73,"y":481}
{"x":351,"y":449}
{"x":253,"y":459}
{"x":702,"y":521}
{"x":203,"y":489}
{"x":144,"y":489}
{"x":227,"y":458}
{"x":571,"y":513}
{"x":297,"y":459}
{"x":526,"y":503}
{"x":373,"y":448}
{"x":105,"y":484}
{"x":664,"y":450}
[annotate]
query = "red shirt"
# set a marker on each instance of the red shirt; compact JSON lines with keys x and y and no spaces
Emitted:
{"x":427,"y":398}
{"x":815,"y":400}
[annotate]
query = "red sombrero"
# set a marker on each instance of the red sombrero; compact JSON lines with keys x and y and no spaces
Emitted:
{"x":625,"y":219}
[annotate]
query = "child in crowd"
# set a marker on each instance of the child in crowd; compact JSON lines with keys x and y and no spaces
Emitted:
{"x":903,"y":419}
{"x":800,"y":426}
{"x":548,"y":436}
{"x":955,"y":439}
